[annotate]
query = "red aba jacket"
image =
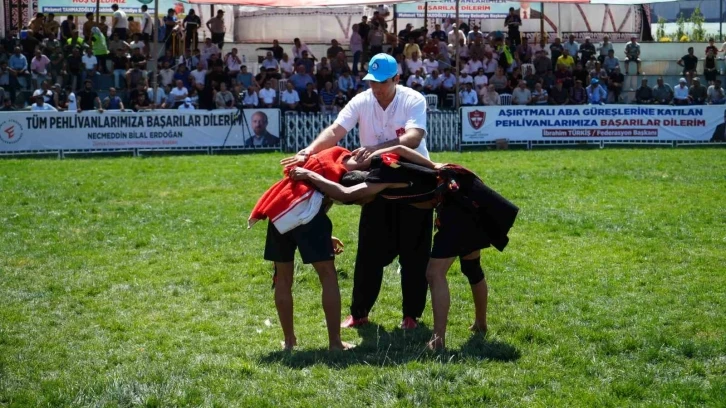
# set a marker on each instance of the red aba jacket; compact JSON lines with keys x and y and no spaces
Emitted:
{"x":289,"y":203}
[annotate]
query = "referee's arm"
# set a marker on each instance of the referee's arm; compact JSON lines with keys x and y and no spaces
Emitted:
{"x":328,"y":138}
{"x":412,"y":138}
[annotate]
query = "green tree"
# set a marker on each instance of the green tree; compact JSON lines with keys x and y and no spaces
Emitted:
{"x":697,"y":19}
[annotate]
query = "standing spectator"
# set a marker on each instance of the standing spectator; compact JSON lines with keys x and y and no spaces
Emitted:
{"x":103,"y":26}
{"x":596,"y":95}
{"x":37,"y":24}
{"x":147,"y":25}
{"x":467,"y":96}
{"x":559,"y":95}
{"x":74,"y":68}
{"x":404,"y":34}
{"x":289,"y":98}
{"x":87,"y":26}
{"x":521,"y":95}
{"x":611,"y":61}
{"x":644,"y":94}
{"x":711,"y":47}
{"x":268,"y":96}
{"x":119,"y":22}
{"x":578,"y":94}
{"x":572,"y":47}
{"x":542,"y":63}
{"x":512,"y":22}
{"x":298,"y":48}
{"x":604,"y":49}
{"x":334,"y":50}
{"x":191,"y":24}
{"x":88,"y":98}
{"x":375,"y":38}
{"x":689,"y":62}
{"x":587,"y":50}
{"x":710,"y":70}
{"x":327,"y":99}
{"x":276,"y":50}
{"x":698,"y":93}
{"x":489,"y":96}
{"x":556,"y":49}
{"x":39,"y":68}
{"x":309,"y":100}
{"x":67,"y":28}
{"x":134,"y":26}
{"x":632,"y":53}
{"x":224,"y":98}
{"x":100,"y":50}
{"x":217,"y":28}
{"x":356,"y":47}
{"x":438,"y":33}
{"x":716,"y":94}
{"x":662,"y":92}
{"x":616,"y":80}
{"x":113,"y":101}
{"x":286,"y":66}
{"x":51,"y":27}
{"x":680,"y":92}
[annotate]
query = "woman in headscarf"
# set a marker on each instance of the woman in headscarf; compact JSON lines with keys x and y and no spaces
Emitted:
{"x":100,"y":49}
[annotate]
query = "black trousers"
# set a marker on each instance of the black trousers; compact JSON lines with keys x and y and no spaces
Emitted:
{"x":388,"y":230}
{"x":218,"y":38}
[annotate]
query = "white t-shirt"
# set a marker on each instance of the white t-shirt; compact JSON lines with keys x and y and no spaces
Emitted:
{"x":199,"y":76}
{"x":413,"y":79}
{"x":473,"y":66}
{"x":144,"y":18}
{"x":287,"y":67}
{"x":72,"y":106}
{"x":267,"y":95}
{"x":184,"y":106}
{"x":45,"y":107}
{"x":414,"y":66}
{"x":290,"y":97}
{"x":121,"y":21}
{"x":429,"y":65}
{"x":680,"y":93}
{"x":466,"y":80}
{"x":297,"y":52}
{"x":376,"y":126}
{"x":251,"y":99}
{"x":89,"y":62}
{"x":481,"y":80}
{"x":179,"y":93}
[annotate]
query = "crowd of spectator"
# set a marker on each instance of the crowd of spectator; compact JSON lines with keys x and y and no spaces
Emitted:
{"x":60,"y":63}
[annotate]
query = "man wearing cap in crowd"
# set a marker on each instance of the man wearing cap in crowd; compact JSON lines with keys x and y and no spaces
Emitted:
{"x":596,"y":95}
{"x":680,"y":93}
{"x":187,"y":105}
{"x":40,"y":104}
{"x":387,"y":115}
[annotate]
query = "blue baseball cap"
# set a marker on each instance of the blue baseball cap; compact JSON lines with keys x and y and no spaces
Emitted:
{"x":594,"y":81}
{"x":381,"y":67}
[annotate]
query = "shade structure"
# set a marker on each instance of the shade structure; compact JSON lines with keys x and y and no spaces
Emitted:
{"x":338,"y":3}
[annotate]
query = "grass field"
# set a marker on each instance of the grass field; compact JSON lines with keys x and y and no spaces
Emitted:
{"x":133,"y":282}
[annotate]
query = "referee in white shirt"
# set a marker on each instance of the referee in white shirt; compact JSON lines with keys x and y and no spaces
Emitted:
{"x":387,"y":115}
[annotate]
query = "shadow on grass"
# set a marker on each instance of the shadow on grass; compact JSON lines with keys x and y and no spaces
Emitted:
{"x":380,"y":347}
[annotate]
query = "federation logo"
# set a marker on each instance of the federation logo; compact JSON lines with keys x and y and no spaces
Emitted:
{"x":374,"y":67}
{"x":477,"y":118}
{"x":11,"y":131}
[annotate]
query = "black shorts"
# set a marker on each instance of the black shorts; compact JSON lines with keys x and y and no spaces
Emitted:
{"x":460,"y":232}
{"x":145,"y":37}
{"x":312,"y":239}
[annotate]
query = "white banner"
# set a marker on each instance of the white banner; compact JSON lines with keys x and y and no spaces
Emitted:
{"x":592,"y":122}
{"x":22,"y":131}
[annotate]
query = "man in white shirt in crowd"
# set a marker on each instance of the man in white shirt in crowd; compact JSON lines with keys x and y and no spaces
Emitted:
{"x":297,"y":49}
{"x":270,"y":63}
{"x":480,"y":80}
{"x":199,"y":75}
{"x":680,"y":93}
{"x":208,"y":49}
{"x":521,"y":95}
{"x":473,"y":65}
{"x":456,"y":35}
{"x":147,"y":25}
{"x":448,"y":82}
{"x":416,"y":78}
{"x":119,"y":23}
{"x":467,"y":96}
{"x":289,"y":98}
{"x":160,"y":94}
{"x":287,"y":67}
{"x":433,"y":82}
{"x":187,"y":105}
{"x":414,"y":64}
{"x":179,"y":92}
{"x":166,"y":74}
{"x":40,"y":105}
{"x":251,"y":100}
{"x":90,"y":66}
{"x":465,"y":78}
{"x":430,"y":63}
{"x":268,"y":96}
{"x":387,"y":115}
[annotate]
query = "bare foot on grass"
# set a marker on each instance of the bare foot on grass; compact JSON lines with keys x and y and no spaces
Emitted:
{"x":342,"y":346}
{"x":479,"y":327}
{"x":436,"y":343}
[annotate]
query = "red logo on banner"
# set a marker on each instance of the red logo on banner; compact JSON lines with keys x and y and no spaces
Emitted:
{"x":11,"y":131}
{"x":477,"y":118}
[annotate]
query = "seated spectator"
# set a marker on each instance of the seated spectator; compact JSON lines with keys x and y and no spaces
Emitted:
{"x":39,"y":68}
{"x":448,"y":82}
{"x":194,"y":97}
{"x":616,"y":84}
{"x":416,"y":78}
{"x":587,"y":50}
{"x":323,"y":64}
{"x":556,"y":50}
{"x":610,"y":62}
{"x":480,"y":80}
{"x":521,"y":95}
{"x":334,"y":49}
{"x":414,"y":63}
{"x":113,"y":101}
{"x":566,"y":59}
{"x":160,"y":99}
{"x":138,"y":44}
{"x":564,"y":75}
{"x":135,"y":76}
{"x":322,"y":77}
{"x":250,"y":100}
{"x":598,"y":71}
{"x":524,"y":52}
{"x":309,"y":100}
{"x":430,"y":64}
{"x":465,"y":78}
{"x":467,"y":96}
{"x":327,"y":98}
{"x":698,"y":93}
{"x":604,"y":49}
{"x":300,"y":79}
{"x":88,"y":98}
{"x":710,"y":68}
{"x":499,"y":80}
{"x":289,"y":98}
{"x":689,"y":62}
{"x":209,"y":48}
{"x":199,"y":75}
{"x":491,"y":63}
{"x":632,"y":53}
{"x":558,"y":95}
{"x":578,"y":94}
{"x":473,"y":66}
{"x":287,"y":68}
{"x":411,"y":48}
{"x":168,"y":57}
{"x":189,"y":60}
{"x":245,"y":78}
{"x":138,"y":59}
{"x":306,"y":62}
{"x":346,"y":83}
{"x":530,"y":78}
{"x":115,"y":43}
{"x":224,"y":99}
{"x":432,"y":84}
{"x":595,"y":94}
{"x":182,"y":74}
{"x":166,"y":75}
{"x":340,"y":100}
{"x":180,"y":92}
{"x":188,"y":105}
{"x":120,"y":66}
{"x":662,"y":92}
{"x":644,"y":94}
{"x":540,"y":95}
{"x":67,"y":100}
{"x":90,"y":65}
{"x":489,"y":96}
{"x":549,"y":80}
{"x":268,"y":96}
{"x":716,"y":95}
{"x":276,"y":50}
{"x":339,"y":65}
{"x":542,"y":63}
{"x":40,"y":104}
{"x":680,"y":93}
{"x":270,"y":64}
{"x":590,"y":65}
{"x":572,"y":47}
{"x":233,"y":63}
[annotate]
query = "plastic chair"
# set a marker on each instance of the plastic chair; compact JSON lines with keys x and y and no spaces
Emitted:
{"x":432,"y":102}
{"x":526,"y":67}
{"x":505,"y":99}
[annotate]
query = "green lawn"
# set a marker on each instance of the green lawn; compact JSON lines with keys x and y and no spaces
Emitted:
{"x":127,"y":282}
